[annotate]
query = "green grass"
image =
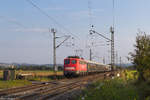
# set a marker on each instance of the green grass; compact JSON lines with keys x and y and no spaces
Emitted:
{"x":131,"y":74}
{"x":39,"y":72}
{"x":143,"y":89}
{"x":1,"y":73}
{"x":127,"y":87}
{"x":35,"y":72}
{"x":41,"y":79}
{"x":38,"y":75}
{"x":14,"y":83}
{"x":115,"y":89}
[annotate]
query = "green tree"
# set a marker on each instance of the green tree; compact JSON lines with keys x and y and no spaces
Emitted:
{"x":141,"y":54}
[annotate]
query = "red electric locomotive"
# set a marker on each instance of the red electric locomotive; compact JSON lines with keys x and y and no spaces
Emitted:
{"x":74,"y":66}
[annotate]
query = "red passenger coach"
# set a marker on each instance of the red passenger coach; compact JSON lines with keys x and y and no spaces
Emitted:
{"x":74,"y":65}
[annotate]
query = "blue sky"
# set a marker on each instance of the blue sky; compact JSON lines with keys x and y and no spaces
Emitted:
{"x":25,"y":36}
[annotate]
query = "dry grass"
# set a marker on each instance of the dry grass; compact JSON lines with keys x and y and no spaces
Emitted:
{"x":37,"y":76}
{"x":35,"y":73}
{"x":39,"y":73}
{"x":14,"y":83}
{"x":1,"y":74}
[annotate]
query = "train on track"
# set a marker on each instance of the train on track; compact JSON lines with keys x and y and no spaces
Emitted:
{"x":75,"y":66}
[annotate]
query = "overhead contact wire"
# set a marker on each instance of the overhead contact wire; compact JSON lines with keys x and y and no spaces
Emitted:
{"x":48,"y":16}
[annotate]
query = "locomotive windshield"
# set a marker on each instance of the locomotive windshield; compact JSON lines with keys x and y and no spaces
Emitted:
{"x":67,"y":61}
{"x":73,"y":61}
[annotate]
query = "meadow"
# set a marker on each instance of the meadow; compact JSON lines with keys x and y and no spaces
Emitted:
{"x":41,"y":73}
{"x":125,"y":87}
{"x":42,"y":76}
{"x":13,"y":83}
{"x":1,"y":74}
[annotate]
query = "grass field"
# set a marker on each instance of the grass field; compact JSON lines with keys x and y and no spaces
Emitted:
{"x":123,"y":88}
{"x":37,"y":76}
{"x":110,"y":90}
{"x":14,"y":83}
{"x":39,"y":73}
{"x":35,"y":73}
{"x":1,"y":74}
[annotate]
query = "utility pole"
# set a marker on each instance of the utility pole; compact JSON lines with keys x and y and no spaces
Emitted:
{"x":57,"y":46}
{"x":103,"y":60}
{"x":116,"y":57}
{"x":112,"y":44}
{"x":120,"y":62}
{"x":54,"y":49}
{"x":90,"y":54}
{"x":111,"y":40}
{"x":112,"y":49}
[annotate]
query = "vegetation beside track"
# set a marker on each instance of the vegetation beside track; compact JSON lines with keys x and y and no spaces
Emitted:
{"x":42,"y":76}
{"x":1,"y":74}
{"x":35,"y":73}
{"x":41,"y":79}
{"x":124,"y":88}
{"x":39,"y":73}
{"x":13,"y":83}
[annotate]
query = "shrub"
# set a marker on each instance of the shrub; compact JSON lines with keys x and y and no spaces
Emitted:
{"x":111,"y":90}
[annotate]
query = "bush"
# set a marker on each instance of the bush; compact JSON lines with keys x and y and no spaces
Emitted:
{"x":111,"y":90}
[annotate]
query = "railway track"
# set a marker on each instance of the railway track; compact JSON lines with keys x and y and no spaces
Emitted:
{"x":26,"y":89}
{"x":49,"y":90}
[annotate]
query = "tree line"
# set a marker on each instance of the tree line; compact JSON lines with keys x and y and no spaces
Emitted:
{"x":31,"y":67}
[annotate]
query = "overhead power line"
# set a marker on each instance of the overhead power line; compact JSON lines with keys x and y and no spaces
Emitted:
{"x":112,"y":38}
{"x":49,"y":17}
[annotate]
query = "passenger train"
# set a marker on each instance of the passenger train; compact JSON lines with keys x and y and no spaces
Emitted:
{"x":75,"y":66}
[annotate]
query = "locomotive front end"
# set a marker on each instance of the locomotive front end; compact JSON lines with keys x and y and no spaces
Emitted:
{"x":70,"y":67}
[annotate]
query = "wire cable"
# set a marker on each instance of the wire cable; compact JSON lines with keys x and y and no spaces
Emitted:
{"x":49,"y":17}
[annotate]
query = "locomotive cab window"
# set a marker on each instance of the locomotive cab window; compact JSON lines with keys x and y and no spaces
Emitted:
{"x":73,"y":61}
{"x":67,"y":61}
